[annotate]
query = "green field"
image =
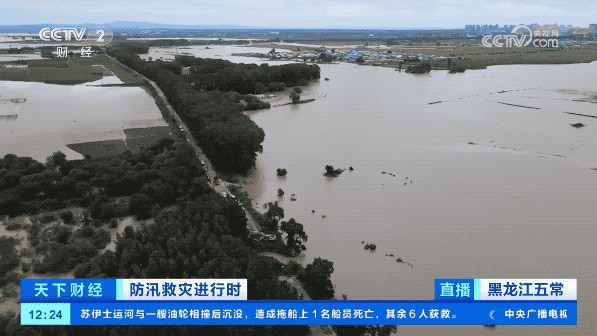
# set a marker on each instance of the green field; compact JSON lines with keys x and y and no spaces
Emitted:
{"x":52,"y":72}
{"x":99,"y":149}
{"x":69,"y":71}
{"x":137,"y":139}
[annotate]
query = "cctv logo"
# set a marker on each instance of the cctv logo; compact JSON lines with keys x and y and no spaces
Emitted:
{"x":74,"y":35}
{"x":521,"y":36}
{"x":62,"y":34}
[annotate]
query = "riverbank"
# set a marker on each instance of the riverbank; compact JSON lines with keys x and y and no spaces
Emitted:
{"x":465,"y":56}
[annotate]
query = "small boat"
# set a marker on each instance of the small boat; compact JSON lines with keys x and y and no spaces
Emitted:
{"x":327,"y":79}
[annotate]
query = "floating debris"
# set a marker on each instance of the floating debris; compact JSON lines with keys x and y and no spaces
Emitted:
{"x":371,"y":247}
{"x":330,"y":171}
{"x":401,"y":261}
{"x":8,"y":117}
{"x":582,"y":115}
{"x":516,"y":105}
{"x":15,"y":100}
{"x":281,"y":172}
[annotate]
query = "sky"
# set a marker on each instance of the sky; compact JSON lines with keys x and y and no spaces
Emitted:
{"x":375,"y":14}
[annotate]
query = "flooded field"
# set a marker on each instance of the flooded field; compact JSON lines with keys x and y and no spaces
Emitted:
{"x":37,"y":119}
{"x":484,"y":174}
{"x":479,"y":174}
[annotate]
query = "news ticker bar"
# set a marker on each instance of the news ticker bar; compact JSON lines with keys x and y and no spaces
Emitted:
{"x":82,"y":290}
{"x":505,"y":289}
{"x":98,"y":290}
{"x":301,"y":313}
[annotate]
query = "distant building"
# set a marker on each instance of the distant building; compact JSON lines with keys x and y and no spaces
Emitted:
{"x":549,"y":27}
{"x":185,"y":71}
{"x":581,"y":31}
{"x":593,"y":28}
{"x":486,"y":29}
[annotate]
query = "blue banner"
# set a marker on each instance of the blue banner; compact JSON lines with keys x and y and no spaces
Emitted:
{"x":67,"y":290}
{"x":303,"y":313}
{"x":93,"y":290}
{"x":454,"y":289}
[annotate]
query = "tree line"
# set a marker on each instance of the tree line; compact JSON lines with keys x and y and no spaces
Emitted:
{"x":212,"y":98}
{"x":195,"y":232}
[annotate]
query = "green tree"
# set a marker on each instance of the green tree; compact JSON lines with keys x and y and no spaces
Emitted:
{"x":140,"y":205}
{"x":11,"y":206}
{"x":161,"y":193}
{"x":295,"y":97}
{"x":296,"y":236}
{"x":273,"y":215}
{"x":316,"y":279}
{"x":67,"y":216}
{"x":9,"y":257}
{"x":57,"y":161}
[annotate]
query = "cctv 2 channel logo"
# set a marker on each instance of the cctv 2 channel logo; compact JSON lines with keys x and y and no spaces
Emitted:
{"x":521,"y":36}
{"x":76,"y":35}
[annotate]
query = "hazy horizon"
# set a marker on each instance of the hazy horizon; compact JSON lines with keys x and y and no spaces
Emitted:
{"x":308,"y":14}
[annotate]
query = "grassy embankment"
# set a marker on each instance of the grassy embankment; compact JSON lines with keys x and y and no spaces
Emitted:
{"x":477,"y":56}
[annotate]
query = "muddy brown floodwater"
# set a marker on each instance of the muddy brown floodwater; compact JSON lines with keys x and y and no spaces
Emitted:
{"x":488,"y":181}
{"x":51,"y":116}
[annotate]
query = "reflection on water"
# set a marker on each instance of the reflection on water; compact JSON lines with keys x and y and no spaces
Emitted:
{"x":55,"y":115}
{"x":478,"y":188}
